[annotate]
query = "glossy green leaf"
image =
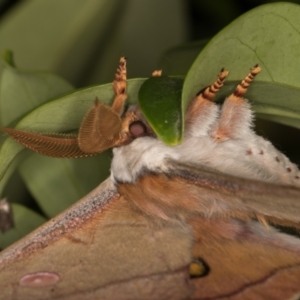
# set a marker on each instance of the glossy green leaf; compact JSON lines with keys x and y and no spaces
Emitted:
{"x":7,"y":57}
{"x":21,"y":91}
{"x":178,"y":60}
{"x":57,"y":183}
{"x":160,"y":102}
{"x":268,"y":35}
{"x":64,"y":37}
{"x":54,"y":183}
{"x":11,"y":186}
{"x":25,"y":220}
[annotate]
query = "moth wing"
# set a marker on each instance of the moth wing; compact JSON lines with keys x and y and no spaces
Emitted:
{"x":277,"y":203}
{"x":240,"y":258}
{"x":103,"y":248}
{"x":198,"y":189}
{"x":245,"y":260}
{"x":100,"y":248}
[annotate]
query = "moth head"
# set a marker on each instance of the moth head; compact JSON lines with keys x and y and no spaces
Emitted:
{"x":105,"y":127}
{"x":102,"y":128}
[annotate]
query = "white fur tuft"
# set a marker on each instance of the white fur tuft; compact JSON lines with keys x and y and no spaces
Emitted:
{"x":244,"y":155}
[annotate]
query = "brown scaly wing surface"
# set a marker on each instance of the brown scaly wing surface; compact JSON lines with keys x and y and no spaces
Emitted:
{"x":99,"y":249}
{"x":103,"y":248}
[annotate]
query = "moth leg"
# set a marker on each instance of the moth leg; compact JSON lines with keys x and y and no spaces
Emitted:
{"x":101,"y":127}
{"x":126,"y":132}
{"x":236,"y":116}
{"x":131,"y":128}
{"x":202,"y":111}
{"x":119,"y":86}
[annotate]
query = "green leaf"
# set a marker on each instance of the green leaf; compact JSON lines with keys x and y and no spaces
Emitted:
{"x":25,"y":220}
{"x":14,"y":180}
{"x":178,"y":60}
{"x":7,"y":57}
{"x":268,"y":35}
{"x":21,"y":91}
{"x":35,"y":35}
{"x":160,"y":102}
{"x":57,"y":183}
{"x":268,"y":101}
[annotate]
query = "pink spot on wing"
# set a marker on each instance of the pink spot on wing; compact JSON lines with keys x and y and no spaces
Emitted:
{"x":277,"y":159}
{"x":261,"y":152}
{"x":39,"y":279}
{"x":249,"y":152}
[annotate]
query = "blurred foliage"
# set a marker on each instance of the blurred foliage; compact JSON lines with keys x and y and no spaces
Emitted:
{"x":81,"y":41}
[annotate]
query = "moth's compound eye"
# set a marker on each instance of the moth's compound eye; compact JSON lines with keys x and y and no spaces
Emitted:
{"x":137,"y":129}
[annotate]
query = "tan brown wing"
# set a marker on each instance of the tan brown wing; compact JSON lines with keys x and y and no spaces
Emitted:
{"x":101,"y":248}
{"x":55,"y":145}
{"x":100,"y":129}
{"x":198,"y":189}
{"x":277,"y":203}
{"x":244,"y":260}
{"x":238,"y":258}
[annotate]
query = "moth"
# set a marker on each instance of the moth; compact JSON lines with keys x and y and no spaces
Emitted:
{"x":192,"y":221}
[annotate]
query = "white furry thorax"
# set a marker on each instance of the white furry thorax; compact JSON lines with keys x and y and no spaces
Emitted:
{"x":247,"y":155}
